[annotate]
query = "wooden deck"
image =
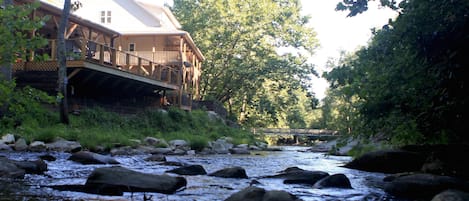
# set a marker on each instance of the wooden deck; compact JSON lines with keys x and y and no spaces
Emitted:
{"x":88,"y":60}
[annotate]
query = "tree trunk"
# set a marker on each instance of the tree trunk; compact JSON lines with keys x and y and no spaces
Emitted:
{"x":62,"y":82}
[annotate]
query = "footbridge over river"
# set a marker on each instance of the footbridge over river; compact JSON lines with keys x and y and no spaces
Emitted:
{"x":296,"y":136}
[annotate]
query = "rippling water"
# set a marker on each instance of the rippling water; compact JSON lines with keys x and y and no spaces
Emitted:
{"x":60,"y":172}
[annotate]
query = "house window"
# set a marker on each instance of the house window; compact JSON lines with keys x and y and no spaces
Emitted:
{"x":106,"y":16}
{"x":131,"y":47}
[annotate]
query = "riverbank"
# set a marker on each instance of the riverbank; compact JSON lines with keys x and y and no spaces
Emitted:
{"x":97,"y":129}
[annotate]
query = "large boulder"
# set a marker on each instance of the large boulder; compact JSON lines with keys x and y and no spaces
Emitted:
{"x":180,"y":144}
{"x":238,"y":150}
{"x":9,"y":170}
{"x":37,"y":146}
{"x":64,"y":146}
{"x":334,"y":181}
{"x":124,"y":150}
{"x":388,"y":161}
{"x":259,"y":194}
{"x":86,"y":157}
{"x":20,"y":145}
{"x":156,"y":157}
{"x":294,"y":175}
{"x":115,"y":180}
{"x":161,"y":150}
{"x":232,"y":172}
{"x":32,"y":167}
{"x":221,"y":146}
{"x":4,"y":147}
{"x":155,"y":142}
{"x":423,"y":186}
{"x":8,"y":139}
{"x":189,"y":170}
{"x":451,"y":195}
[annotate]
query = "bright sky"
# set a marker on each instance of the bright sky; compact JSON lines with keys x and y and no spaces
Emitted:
{"x":337,"y":32}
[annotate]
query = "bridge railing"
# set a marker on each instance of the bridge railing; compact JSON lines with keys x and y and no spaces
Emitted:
{"x":298,"y":131}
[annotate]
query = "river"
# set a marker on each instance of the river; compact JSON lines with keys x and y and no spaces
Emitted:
{"x":204,"y":188}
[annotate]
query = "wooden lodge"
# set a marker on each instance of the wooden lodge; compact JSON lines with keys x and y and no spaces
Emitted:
{"x":112,"y":67}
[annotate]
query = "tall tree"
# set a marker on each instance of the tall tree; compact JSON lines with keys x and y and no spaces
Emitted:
{"x":412,"y":78}
{"x":62,"y":71}
{"x":241,"y":42}
{"x":15,"y":38}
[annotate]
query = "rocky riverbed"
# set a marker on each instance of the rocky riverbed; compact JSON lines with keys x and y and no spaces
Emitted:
{"x":249,"y":173}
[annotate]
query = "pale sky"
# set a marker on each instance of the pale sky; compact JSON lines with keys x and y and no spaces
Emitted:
{"x":337,"y":32}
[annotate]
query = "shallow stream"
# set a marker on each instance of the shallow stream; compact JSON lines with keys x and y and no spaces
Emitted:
{"x":366,"y":186}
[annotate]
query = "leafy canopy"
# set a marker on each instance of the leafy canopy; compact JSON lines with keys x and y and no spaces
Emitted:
{"x":240,"y":40}
{"x":411,"y":81}
{"x":15,"y":32}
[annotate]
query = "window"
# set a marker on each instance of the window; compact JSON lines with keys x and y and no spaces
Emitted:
{"x":131,"y":47}
{"x":106,"y":16}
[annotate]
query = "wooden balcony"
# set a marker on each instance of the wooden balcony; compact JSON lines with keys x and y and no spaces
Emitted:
{"x":87,"y":59}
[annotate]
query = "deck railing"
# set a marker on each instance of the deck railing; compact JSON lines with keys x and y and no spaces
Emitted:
{"x":164,"y":67}
{"x":104,"y":55}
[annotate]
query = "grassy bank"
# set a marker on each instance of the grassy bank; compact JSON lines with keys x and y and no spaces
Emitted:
{"x":27,"y":113}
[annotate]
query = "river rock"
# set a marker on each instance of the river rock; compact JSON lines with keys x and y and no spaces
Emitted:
{"x":47,"y":157}
{"x":254,"y":148}
{"x":125,"y":150}
{"x":118,"y":179}
{"x":86,"y":157}
{"x":155,"y":142}
{"x":37,"y":146}
{"x":221,"y":146}
{"x":8,"y":139}
{"x":334,"y":181}
{"x":156,"y":157}
{"x":161,"y":150}
{"x":177,"y":152}
{"x":4,"y":147}
{"x":20,"y":145}
{"x":32,"y":167}
{"x":388,"y":161}
{"x":64,"y":146}
{"x":451,"y":195}
{"x":253,"y":193}
{"x":423,"y":186}
{"x":144,"y":149}
{"x":294,"y":175}
{"x":261,"y":145}
{"x":239,"y":151}
{"x":9,"y":170}
{"x":189,"y":170}
{"x":233,"y":172}
{"x":180,"y":144}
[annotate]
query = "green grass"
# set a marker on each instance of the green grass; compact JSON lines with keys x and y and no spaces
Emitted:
{"x":97,"y":127}
{"x":28,"y":113}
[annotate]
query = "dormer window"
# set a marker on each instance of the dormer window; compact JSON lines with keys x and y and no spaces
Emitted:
{"x":106,"y":16}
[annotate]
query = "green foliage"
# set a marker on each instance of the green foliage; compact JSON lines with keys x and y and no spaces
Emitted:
{"x":410,"y":82}
{"x":356,"y":7}
{"x":26,"y":104}
{"x":241,"y":41}
{"x":15,"y":39}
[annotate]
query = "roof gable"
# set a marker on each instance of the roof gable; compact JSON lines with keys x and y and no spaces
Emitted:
{"x":128,"y":16}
